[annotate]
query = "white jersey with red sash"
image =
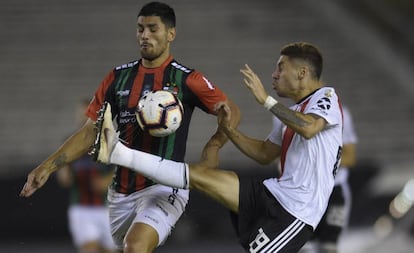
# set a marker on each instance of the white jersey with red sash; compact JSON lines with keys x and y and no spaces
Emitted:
{"x":308,"y":166}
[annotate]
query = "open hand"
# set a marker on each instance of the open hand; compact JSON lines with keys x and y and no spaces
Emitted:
{"x":35,"y":180}
{"x":253,"y":82}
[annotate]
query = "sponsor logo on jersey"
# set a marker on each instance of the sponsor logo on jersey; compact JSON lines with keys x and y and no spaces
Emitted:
{"x":123,"y":93}
{"x":126,"y":117}
{"x":324,"y":103}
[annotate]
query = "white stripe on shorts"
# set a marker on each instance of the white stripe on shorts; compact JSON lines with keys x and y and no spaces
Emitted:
{"x":283,"y":238}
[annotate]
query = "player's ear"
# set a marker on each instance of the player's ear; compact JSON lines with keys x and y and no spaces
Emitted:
{"x":302,"y":72}
{"x":171,"y":34}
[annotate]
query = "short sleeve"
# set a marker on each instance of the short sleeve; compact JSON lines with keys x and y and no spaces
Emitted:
{"x":206,"y":92}
{"x":325,"y":103}
{"x":99,"y":97}
{"x":275,"y":136}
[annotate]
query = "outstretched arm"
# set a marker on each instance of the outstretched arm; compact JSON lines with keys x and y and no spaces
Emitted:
{"x":74,"y":147}
{"x":210,"y":153}
{"x":262,"y":152}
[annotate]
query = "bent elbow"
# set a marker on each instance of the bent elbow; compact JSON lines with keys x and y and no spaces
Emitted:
{"x":308,"y":135}
{"x":265,"y":160}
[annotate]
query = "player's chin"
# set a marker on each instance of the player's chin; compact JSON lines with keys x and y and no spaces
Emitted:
{"x":147,"y":55}
{"x":280,"y":93}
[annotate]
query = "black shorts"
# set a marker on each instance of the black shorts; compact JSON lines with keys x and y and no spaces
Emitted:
{"x":263,"y":225}
{"x":334,"y":219}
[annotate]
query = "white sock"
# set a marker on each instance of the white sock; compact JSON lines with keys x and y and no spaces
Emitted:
{"x":163,"y":171}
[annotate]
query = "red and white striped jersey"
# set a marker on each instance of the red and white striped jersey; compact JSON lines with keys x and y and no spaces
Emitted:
{"x":308,"y":166}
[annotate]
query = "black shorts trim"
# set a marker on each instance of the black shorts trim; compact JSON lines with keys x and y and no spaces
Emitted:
{"x":284,"y":237}
{"x":263,"y":225}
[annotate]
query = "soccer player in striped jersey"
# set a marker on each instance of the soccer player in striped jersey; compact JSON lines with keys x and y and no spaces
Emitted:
{"x":280,"y":213}
{"x":142,"y":213}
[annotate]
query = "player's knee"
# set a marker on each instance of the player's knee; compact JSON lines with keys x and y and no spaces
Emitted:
{"x":90,"y":247}
{"x":137,"y":247}
{"x":199,"y":177}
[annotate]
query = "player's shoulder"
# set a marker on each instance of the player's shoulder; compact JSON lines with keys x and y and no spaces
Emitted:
{"x":181,"y":67}
{"x":326,"y":91}
{"x":193,"y":76}
{"x":127,"y":65}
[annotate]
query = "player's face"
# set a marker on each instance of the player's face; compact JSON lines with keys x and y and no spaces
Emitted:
{"x":153,"y":37}
{"x":285,"y":80}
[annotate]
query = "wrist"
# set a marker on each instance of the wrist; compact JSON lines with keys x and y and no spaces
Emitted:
{"x":218,"y":139}
{"x":269,"y":102}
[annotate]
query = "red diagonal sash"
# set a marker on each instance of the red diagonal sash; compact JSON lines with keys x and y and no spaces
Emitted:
{"x":287,"y":139}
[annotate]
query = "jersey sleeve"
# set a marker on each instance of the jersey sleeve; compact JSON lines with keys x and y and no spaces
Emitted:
{"x":99,"y":97}
{"x":325,"y":103}
{"x":275,"y":136}
{"x":206,"y":92}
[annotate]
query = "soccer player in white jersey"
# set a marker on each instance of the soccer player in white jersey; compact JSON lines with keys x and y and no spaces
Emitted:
{"x":336,"y":217}
{"x":278,"y":214}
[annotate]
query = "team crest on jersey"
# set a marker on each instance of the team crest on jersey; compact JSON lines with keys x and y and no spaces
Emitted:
{"x":171,"y":87}
{"x":329,"y":93}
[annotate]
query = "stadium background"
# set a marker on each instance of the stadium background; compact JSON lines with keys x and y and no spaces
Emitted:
{"x":54,"y":53}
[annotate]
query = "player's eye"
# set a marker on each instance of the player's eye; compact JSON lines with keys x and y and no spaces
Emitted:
{"x":153,"y":29}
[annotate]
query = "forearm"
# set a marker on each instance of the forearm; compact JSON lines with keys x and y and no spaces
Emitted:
{"x":234,"y":121}
{"x":73,"y":148}
{"x":303,"y":124}
{"x":250,"y":147}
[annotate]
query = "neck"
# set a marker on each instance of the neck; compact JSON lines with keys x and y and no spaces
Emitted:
{"x":309,"y":88}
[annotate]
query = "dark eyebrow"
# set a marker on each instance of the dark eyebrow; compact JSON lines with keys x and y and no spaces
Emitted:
{"x":151,"y":25}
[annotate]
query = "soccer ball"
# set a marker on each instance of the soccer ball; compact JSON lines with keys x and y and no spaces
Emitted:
{"x":160,"y":113}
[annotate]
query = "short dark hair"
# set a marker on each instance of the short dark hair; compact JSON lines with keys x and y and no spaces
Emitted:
{"x":307,"y":52}
{"x":164,"y":11}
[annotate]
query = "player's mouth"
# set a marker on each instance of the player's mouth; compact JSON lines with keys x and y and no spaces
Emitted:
{"x":274,"y":84}
{"x":145,"y":45}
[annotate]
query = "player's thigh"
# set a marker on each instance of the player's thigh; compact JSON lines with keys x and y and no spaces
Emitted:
{"x":158,"y":207}
{"x":220,"y":185}
{"x":121,"y":215}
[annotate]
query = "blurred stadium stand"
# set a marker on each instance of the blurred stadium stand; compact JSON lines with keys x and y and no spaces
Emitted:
{"x":55,"y":52}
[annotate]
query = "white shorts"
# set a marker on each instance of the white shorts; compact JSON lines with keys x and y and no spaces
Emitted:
{"x":157,"y":206}
{"x":88,"y":224}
